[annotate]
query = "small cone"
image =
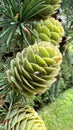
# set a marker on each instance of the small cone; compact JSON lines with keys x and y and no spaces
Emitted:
{"x":49,"y":30}
{"x":34,"y":69}
{"x":23,"y":118}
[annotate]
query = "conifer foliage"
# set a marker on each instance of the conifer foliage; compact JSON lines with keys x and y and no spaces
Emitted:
{"x":30,"y":58}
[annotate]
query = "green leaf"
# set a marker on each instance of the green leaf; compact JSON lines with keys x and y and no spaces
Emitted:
{"x":9,"y":38}
{"x":25,"y":38}
{"x":4,"y":32}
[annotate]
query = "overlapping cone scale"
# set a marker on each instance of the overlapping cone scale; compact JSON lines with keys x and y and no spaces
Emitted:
{"x":49,"y":30}
{"x":51,"y":7}
{"x":34,"y":69}
{"x":48,"y":8}
{"x":23,"y":118}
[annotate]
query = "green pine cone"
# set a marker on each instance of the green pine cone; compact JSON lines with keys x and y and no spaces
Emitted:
{"x":53,"y":2}
{"x":50,"y":8}
{"x":35,"y":68}
{"x":23,"y":118}
{"x":49,"y":30}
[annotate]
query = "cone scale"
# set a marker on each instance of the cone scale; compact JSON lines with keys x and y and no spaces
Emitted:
{"x":49,"y":30}
{"x":51,"y":7}
{"x":34,"y":69}
{"x":23,"y":118}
